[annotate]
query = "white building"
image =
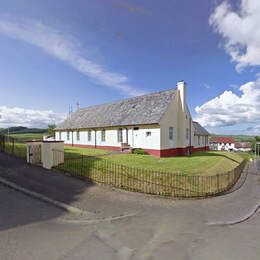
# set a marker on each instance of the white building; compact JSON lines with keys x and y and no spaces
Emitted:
{"x":159,"y":123}
{"x":243,"y":146}
{"x":222,"y":143}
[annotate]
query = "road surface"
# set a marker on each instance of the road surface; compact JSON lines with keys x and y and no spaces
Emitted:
{"x":123,"y":225}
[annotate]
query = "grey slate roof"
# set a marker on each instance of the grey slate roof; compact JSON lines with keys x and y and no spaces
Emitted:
{"x":199,"y":130}
{"x":146,"y":109}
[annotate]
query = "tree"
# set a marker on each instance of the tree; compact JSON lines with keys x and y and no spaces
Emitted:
{"x":51,"y":129}
{"x":257,"y":138}
{"x":256,"y":149}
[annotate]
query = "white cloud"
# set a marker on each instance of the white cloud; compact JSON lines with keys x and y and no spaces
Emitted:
{"x":65,"y":48}
{"x":206,"y":85}
{"x":240,"y":30}
{"x":17,"y":116}
{"x":231,"y":109}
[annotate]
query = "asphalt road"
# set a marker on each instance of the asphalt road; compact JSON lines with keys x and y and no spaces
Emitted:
{"x":31,"y":229}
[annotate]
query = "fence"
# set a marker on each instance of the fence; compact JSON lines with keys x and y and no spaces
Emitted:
{"x":149,"y":181}
{"x":12,"y":146}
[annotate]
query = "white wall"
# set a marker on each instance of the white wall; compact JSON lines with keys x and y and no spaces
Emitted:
{"x":110,"y":140}
{"x":225,"y":146}
{"x":139,"y":139}
{"x":170,"y":119}
{"x":203,"y":141}
{"x":136,"y":138}
{"x":178,"y":117}
{"x":63,"y":137}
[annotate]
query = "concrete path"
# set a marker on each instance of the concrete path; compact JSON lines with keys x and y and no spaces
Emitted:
{"x":153,"y":227}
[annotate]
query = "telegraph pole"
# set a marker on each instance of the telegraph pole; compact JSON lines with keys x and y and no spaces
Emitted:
{"x":78,"y":106}
{"x":257,"y":149}
{"x":70,"y":111}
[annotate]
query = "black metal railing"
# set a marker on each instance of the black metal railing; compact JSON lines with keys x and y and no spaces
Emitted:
{"x":12,"y":146}
{"x":149,"y":181}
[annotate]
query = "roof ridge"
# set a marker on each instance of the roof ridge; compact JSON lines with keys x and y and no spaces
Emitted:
{"x":144,"y":109}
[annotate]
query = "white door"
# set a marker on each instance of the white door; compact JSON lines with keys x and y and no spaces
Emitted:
{"x":136,"y":137}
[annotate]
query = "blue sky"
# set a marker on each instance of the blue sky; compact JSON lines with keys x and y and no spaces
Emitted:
{"x":57,"y":53}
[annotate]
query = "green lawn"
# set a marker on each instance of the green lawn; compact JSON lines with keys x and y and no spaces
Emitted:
{"x":27,"y":137}
{"x":247,"y":155}
{"x":201,"y":174}
{"x":200,"y":163}
{"x":75,"y":152}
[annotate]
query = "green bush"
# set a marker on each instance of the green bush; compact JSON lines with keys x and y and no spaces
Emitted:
{"x":139,"y":151}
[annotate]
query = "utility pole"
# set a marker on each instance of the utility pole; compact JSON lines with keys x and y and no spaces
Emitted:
{"x":70,"y":111}
{"x":257,"y":149}
{"x":78,"y":106}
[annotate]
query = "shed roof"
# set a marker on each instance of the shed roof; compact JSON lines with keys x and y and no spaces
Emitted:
{"x":146,"y":109}
{"x":199,"y":130}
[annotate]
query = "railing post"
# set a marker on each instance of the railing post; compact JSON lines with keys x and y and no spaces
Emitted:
{"x":4,"y":143}
{"x":82,"y":160}
{"x":218,"y":182}
{"x":12,"y":145}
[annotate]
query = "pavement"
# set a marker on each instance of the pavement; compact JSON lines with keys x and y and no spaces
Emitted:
{"x":123,"y":225}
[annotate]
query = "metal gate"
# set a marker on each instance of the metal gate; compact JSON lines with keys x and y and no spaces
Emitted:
{"x":2,"y":143}
{"x":34,"y":153}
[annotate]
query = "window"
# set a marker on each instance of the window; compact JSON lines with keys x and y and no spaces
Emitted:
{"x":149,"y":133}
{"x":199,"y":140}
{"x":59,"y":135}
{"x":229,"y":144}
{"x":120,"y":135}
{"x":103,"y":135}
{"x":171,"y":133}
{"x":89,"y":135}
{"x":78,"y":135}
{"x":136,"y":128}
{"x":68,"y":136}
{"x":187,"y":133}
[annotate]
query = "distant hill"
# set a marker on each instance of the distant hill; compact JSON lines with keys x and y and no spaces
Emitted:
{"x":23,"y":130}
{"x":237,"y":138}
